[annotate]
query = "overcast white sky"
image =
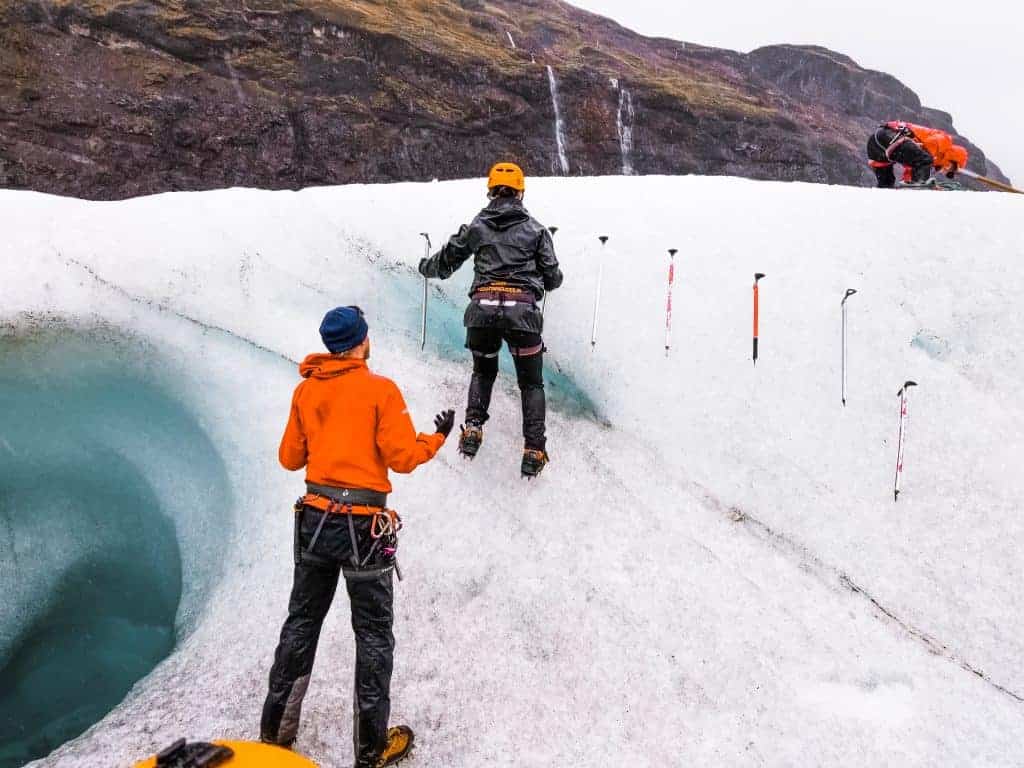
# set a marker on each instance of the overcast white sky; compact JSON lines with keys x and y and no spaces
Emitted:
{"x":964,"y":57}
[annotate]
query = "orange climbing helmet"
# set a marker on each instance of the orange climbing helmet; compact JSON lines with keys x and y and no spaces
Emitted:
{"x":507,"y":175}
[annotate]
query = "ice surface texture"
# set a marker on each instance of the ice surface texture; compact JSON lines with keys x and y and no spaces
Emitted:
{"x":722,"y":568}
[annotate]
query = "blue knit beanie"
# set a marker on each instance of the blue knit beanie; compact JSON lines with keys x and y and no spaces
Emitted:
{"x":343,"y":328}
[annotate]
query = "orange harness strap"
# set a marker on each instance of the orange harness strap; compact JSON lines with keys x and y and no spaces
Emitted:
{"x":331,"y":506}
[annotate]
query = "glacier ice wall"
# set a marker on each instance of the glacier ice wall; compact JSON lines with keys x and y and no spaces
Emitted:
{"x":716,"y":557}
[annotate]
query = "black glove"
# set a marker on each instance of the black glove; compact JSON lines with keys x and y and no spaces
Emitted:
{"x":951,"y":174}
{"x":423,"y":267}
{"x":444,"y":421}
{"x":553,"y":281}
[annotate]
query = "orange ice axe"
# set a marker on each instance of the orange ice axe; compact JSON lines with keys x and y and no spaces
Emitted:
{"x":757,"y":308}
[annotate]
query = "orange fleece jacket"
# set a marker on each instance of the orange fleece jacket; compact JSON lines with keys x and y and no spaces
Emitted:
{"x":348,"y":427}
{"x":940,"y":145}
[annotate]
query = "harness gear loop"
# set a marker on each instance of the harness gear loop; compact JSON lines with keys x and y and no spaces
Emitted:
{"x":352,"y":535}
{"x":300,"y":512}
{"x":384,"y":527}
{"x":319,"y":528}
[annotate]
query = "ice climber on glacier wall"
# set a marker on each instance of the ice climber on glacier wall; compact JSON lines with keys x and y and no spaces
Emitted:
{"x":347,"y":427}
{"x":514,"y":265}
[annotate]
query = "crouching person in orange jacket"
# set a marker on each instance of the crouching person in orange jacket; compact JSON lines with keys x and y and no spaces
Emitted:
{"x":347,"y":427}
{"x":917,"y":148}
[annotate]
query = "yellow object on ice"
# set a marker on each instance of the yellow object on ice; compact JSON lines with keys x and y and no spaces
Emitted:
{"x":248,"y":754}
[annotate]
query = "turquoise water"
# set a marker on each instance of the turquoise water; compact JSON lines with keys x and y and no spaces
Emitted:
{"x":90,"y":565}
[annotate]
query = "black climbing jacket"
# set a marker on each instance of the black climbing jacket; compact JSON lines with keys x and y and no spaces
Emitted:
{"x":510,"y":247}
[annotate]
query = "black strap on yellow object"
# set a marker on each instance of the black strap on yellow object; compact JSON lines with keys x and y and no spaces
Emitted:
{"x":181,"y":754}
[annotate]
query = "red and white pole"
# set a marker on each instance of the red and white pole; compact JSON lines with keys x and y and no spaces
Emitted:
{"x":668,"y":307}
{"x":903,"y":395}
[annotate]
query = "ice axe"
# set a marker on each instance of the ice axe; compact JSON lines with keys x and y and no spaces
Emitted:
{"x":757,"y":309}
{"x":597,"y":295}
{"x":668,"y":306}
{"x":426,"y":290}
{"x":544,"y":302}
{"x":904,"y":396}
{"x":990,"y":182}
{"x":849,"y":292}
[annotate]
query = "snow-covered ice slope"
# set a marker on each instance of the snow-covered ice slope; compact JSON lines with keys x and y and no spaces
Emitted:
{"x":712,"y":570}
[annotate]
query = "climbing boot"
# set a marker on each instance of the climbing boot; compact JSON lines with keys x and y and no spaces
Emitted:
{"x":400,"y":741}
{"x":470,"y":440}
{"x":533,"y":462}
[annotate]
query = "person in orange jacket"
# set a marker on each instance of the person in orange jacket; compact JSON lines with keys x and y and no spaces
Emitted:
{"x":917,"y":148}
{"x":348,"y":427}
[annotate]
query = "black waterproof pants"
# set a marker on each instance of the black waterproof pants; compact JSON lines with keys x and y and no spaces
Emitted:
{"x":528,"y":354}
{"x":909,"y":154}
{"x":371,"y":597}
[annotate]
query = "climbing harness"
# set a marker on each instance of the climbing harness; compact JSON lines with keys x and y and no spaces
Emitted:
{"x":902,"y":134}
{"x":498,"y":295}
{"x":384,"y":526}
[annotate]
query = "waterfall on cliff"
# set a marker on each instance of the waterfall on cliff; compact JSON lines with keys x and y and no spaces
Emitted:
{"x":563,"y":159}
{"x":624,"y":124}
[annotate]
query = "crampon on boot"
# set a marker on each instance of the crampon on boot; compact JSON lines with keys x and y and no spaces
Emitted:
{"x":925,"y":184}
{"x":400,"y":741}
{"x":470,"y":440}
{"x":533,"y":462}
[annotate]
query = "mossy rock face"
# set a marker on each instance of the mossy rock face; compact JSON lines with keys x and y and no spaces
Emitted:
{"x":114,"y":98}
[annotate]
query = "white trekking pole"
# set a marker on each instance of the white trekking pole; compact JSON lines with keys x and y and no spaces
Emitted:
{"x":544,"y":302}
{"x":597,"y":296}
{"x":668,"y":307}
{"x":426,"y":290}
{"x":849,"y":293}
{"x":903,"y":395}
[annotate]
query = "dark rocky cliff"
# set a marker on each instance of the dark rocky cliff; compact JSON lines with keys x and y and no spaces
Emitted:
{"x":108,"y":99}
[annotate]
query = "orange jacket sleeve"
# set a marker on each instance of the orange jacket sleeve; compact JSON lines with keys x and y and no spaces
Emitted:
{"x":292,"y":454}
{"x":937,"y":143}
{"x":942,"y":144}
{"x":401,"y":448}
